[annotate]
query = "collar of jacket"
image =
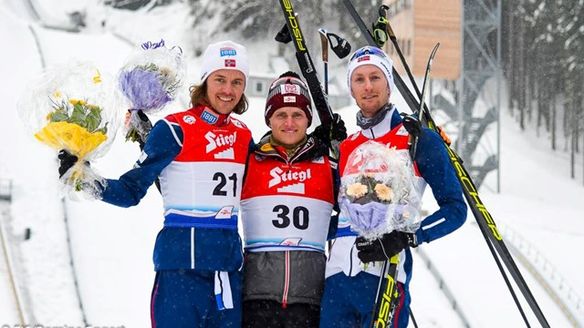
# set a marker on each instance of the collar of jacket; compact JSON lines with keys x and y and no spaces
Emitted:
{"x":266,"y":148}
{"x":391,"y":120}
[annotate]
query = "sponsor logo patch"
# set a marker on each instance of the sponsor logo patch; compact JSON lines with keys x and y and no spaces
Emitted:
{"x":209,"y":117}
{"x":289,"y":99}
{"x":189,"y":119}
{"x":224,"y":213}
{"x":227,"y":52}
{"x":215,"y":141}
{"x":294,"y":180}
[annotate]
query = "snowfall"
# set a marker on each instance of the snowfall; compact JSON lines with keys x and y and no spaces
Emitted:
{"x":104,"y":277}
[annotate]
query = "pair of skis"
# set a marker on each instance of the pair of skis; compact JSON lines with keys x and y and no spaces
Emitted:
{"x":483,"y":218}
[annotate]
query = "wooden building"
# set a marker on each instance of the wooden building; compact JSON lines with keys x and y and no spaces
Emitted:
{"x":419,"y":25}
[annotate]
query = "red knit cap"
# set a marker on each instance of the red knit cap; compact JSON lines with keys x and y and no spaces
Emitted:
{"x":288,"y":91}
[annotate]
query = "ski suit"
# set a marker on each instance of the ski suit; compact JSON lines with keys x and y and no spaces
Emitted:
{"x":351,"y":286}
{"x":286,"y":208}
{"x":199,"y":157}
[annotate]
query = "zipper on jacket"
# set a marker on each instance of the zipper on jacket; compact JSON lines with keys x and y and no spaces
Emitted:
{"x":286,"y":279}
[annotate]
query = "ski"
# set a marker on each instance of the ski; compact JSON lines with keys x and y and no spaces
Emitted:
{"x":387,"y":295}
{"x":306,"y":66}
{"x":413,"y":123}
{"x":482,"y":216}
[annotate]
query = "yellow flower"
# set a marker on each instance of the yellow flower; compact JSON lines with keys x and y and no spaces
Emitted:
{"x":97,"y":77}
{"x":74,"y":101}
{"x":357,"y":190}
{"x":76,"y":139}
{"x":384,"y":192}
{"x":57,"y":94}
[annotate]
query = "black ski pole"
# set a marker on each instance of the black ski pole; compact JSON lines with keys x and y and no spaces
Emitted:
{"x":308,"y":70}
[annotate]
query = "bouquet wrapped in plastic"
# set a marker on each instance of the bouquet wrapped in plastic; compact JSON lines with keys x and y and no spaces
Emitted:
{"x":72,"y":108}
{"x":378,"y":191}
{"x":150,"y":80}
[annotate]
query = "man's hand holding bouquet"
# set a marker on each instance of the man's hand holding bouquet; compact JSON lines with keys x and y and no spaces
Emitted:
{"x":149,"y":80}
{"x":379,"y":194}
{"x":71,"y":109}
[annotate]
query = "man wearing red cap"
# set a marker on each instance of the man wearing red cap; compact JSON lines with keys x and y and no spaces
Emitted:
{"x":287,"y":199}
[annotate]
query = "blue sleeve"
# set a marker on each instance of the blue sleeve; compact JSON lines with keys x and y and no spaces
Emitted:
{"x":436,"y":168}
{"x":163,"y":144}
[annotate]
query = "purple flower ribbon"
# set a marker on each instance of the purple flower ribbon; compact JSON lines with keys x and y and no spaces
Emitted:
{"x":368,"y":217}
{"x":152,"y":45}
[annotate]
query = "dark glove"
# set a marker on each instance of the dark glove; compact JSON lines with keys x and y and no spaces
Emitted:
{"x":412,"y":125}
{"x":337,"y":131}
{"x":66,"y":161}
{"x":338,"y":128}
{"x":382,"y":249}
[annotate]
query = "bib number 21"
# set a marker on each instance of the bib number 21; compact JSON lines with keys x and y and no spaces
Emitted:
{"x":219,"y":189}
{"x":299,"y":217}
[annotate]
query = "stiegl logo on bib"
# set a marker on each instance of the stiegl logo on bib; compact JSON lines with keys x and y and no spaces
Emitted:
{"x":216,"y":141}
{"x":279,"y":177}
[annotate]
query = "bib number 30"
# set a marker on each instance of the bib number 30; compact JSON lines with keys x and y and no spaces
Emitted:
{"x":299,"y":217}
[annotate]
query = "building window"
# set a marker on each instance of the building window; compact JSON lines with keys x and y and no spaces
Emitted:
{"x":259,"y":87}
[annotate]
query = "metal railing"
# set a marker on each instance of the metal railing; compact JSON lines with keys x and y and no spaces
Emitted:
{"x":443,"y":286}
{"x":547,"y":275}
{"x":5,"y":198}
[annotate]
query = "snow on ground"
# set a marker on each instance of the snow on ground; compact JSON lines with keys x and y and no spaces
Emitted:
{"x":112,"y":247}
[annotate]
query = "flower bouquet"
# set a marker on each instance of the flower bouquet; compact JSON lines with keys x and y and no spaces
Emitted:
{"x":379,"y":191}
{"x":71,"y":108}
{"x":149,"y":80}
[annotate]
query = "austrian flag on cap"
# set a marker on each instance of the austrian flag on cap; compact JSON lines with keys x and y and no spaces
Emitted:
{"x":290,"y":88}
